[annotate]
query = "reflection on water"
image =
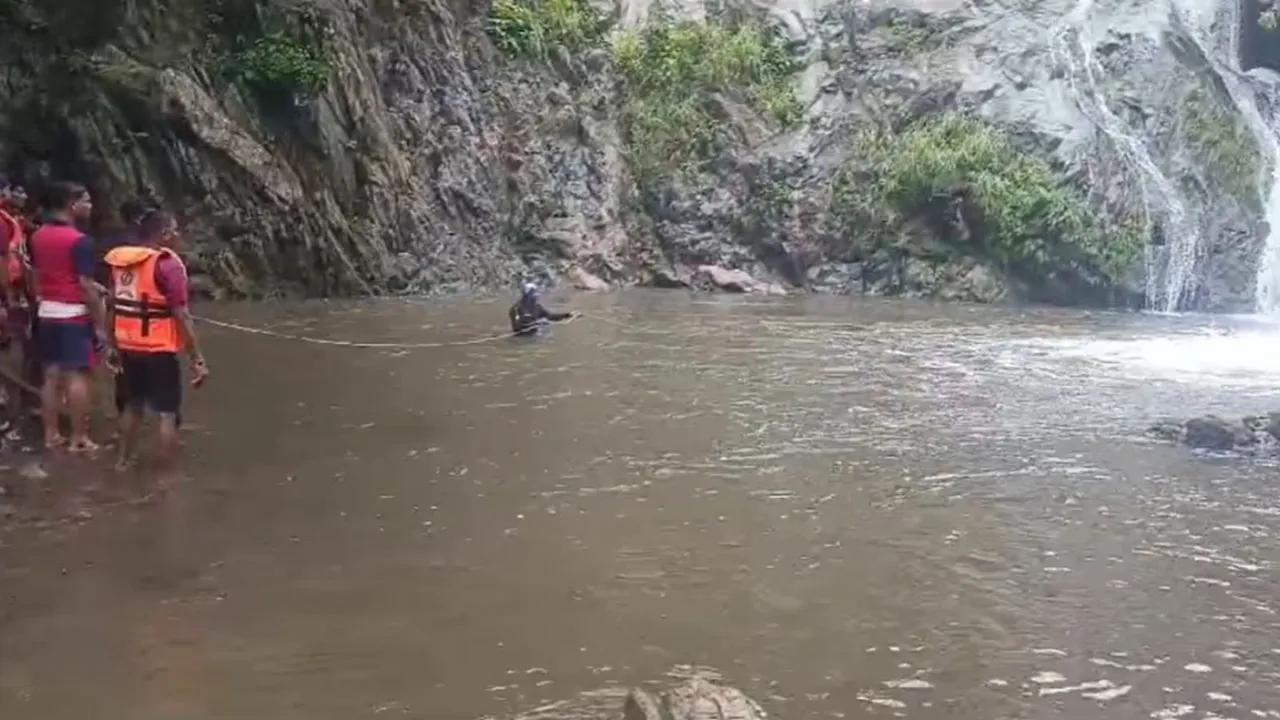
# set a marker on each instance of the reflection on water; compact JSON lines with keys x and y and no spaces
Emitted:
{"x":846,"y":507}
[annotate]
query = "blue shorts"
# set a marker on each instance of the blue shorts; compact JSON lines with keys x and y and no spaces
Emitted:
{"x":66,"y":344}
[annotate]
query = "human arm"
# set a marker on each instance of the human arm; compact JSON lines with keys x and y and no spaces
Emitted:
{"x":173,"y":282}
{"x":85,"y":262}
{"x":546,"y":314}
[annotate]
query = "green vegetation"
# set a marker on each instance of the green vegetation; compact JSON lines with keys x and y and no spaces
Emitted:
{"x":533,"y":28}
{"x":280,"y":64}
{"x":1223,"y":145}
{"x":1031,"y":218}
{"x":674,"y":74}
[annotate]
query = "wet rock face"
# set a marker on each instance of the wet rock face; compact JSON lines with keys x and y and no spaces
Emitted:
{"x":426,"y":162}
{"x":430,"y":161}
{"x":1251,"y":435}
{"x":1111,"y":97}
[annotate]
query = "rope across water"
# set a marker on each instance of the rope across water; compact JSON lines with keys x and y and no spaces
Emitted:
{"x":353,"y":344}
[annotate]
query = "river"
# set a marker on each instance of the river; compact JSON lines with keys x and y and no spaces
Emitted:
{"x":849,"y":507}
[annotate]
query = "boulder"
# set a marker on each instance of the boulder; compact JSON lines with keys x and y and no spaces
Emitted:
{"x":1210,"y":433}
{"x":696,"y":698}
{"x":1253,"y":434}
{"x":734,"y":281}
{"x":582,"y":280}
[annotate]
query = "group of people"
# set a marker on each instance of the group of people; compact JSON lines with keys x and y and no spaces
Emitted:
{"x":72,"y":304}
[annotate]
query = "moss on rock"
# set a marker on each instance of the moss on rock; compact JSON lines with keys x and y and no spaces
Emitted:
{"x":1223,"y":145}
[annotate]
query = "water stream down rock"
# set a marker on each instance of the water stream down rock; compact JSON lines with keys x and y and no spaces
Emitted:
{"x":424,"y":157}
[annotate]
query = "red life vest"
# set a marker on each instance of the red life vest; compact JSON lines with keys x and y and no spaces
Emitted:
{"x":53,"y":263}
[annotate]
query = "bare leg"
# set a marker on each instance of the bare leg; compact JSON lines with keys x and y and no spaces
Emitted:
{"x":168,"y":431}
{"x":13,"y":407}
{"x":130,"y":421}
{"x":79,"y":405}
{"x":50,"y":404}
{"x":169,"y":449}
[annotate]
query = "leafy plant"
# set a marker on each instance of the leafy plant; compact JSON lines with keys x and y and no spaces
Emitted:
{"x":1030,"y":216}
{"x":533,"y":28}
{"x":674,"y":73}
{"x":277,"y":63}
{"x":1223,"y":144}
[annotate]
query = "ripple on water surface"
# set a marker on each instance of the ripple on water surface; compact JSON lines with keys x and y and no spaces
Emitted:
{"x":889,"y":508}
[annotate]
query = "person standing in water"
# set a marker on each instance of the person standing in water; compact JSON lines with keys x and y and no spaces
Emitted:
{"x":70,"y":313}
{"x":150,"y":325}
{"x":528,"y":314}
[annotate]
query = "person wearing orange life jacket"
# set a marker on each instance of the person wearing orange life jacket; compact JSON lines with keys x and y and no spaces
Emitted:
{"x":70,"y":313}
{"x":150,"y":326}
{"x":15,"y":302}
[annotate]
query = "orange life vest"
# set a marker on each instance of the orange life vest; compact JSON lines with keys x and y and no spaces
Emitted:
{"x":18,"y":261}
{"x":144,"y":321}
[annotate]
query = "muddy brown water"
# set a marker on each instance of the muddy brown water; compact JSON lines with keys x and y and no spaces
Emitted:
{"x":851,"y":508}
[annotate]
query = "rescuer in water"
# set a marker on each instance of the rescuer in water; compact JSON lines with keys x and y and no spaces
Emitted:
{"x":528,"y":314}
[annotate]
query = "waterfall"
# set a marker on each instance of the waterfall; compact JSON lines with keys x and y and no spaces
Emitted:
{"x":1267,"y":84}
{"x":1216,"y":27}
{"x":1213,"y":26}
{"x":1268,"y":291}
{"x":1170,"y":277}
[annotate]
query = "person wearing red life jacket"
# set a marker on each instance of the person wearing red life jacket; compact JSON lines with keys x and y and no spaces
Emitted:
{"x":70,"y":312}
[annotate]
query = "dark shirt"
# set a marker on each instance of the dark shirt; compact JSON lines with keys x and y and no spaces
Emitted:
{"x":103,"y":272}
{"x":527,"y":312}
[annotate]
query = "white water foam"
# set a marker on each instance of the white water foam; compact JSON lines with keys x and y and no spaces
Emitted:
{"x":1238,"y":360}
{"x":1245,"y":359}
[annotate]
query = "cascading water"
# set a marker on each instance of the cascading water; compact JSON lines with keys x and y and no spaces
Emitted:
{"x":1172,"y":279}
{"x":1072,"y":43}
{"x":1216,"y":27}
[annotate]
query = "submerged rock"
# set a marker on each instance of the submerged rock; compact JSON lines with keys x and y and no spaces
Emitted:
{"x":1251,"y":434}
{"x":697,"y":698}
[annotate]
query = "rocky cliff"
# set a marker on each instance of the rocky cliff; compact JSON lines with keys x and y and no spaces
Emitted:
{"x":1064,"y":151}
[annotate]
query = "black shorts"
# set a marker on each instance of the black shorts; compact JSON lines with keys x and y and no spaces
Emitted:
{"x":150,"y":380}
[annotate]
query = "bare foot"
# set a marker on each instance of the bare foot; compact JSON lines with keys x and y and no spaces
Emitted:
{"x":53,"y":442}
{"x":83,"y":445}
